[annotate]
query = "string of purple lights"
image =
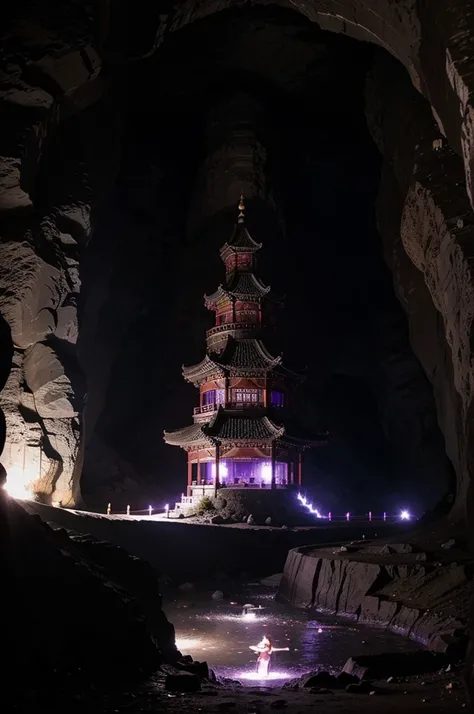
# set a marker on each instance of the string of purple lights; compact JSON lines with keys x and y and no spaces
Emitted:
{"x":403,"y":515}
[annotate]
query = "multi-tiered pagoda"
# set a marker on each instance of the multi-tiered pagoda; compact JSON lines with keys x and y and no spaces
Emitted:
{"x":243,"y":434}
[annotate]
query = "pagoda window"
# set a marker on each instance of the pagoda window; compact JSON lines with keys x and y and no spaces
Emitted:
{"x":277,"y":399}
{"x":209,"y":397}
{"x":246,"y":396}
{"x":220,"y":396}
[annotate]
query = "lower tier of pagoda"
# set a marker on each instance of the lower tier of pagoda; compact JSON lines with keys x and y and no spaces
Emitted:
{"x":235,"y":450}
{"x":243,"y":467}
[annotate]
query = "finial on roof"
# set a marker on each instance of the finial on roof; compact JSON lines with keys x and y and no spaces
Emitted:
{"x":241,"y":216}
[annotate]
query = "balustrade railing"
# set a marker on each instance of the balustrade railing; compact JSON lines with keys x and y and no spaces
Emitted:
{"x":232,"y":326}
{"x":209,"y":408}
{"x":205,"y":409}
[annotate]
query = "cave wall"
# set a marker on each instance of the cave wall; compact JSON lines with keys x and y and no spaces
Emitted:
{"x":59,"y":154}
{"x":425,"y":220}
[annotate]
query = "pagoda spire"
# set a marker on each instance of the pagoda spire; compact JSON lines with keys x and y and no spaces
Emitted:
{"x":241,"y":216}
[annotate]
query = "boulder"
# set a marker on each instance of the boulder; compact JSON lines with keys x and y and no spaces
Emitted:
{"x":200,"y":669}
{"x":320,"y":679}
{"x":218,"y":595}
{"x":344,"y":679}
{"x":360,"y":688}
{"x":217,"y":520}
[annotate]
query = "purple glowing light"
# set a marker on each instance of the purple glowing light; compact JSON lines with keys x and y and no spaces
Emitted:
{"x":405,"y":516}
{"x":266,"y":472}
{"x":314,"y":511}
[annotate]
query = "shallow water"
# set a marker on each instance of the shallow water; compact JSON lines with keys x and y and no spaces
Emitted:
{"x":216,"y":631}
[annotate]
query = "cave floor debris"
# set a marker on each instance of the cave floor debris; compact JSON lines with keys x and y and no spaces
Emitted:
{"x":440,"y":693}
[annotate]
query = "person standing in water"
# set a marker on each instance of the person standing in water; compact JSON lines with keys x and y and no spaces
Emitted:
{"x":264,"y":651}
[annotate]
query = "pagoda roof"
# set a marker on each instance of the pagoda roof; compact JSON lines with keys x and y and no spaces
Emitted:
{"x":227,"y":426}
{"x":240,"y":242}
{"x":239,"y":358}
{"x":243,"y":286}
{"x":193,"y":435}
{"x":231,"y":427}
{"x":198,"y":372}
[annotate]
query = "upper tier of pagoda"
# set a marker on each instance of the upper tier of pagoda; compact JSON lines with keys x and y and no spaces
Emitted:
{"x":241,"y":283}
{"x":240,"y":358}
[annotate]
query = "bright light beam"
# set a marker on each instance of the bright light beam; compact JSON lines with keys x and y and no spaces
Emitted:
{"x":314,"y":511}
{"x":405,"y":516}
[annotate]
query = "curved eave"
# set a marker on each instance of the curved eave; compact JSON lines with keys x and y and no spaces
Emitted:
{"x":211,"y":300}
{"x":202,"y":371}
{"x":187,"y":438}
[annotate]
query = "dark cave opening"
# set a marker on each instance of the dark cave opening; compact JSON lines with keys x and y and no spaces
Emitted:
{"x":314,"y":212}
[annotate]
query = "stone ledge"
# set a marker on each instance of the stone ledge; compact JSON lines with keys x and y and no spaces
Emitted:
{"x":427,"y":603}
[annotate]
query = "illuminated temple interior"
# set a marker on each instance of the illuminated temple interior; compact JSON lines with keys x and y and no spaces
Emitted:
{"x":244,"y":434}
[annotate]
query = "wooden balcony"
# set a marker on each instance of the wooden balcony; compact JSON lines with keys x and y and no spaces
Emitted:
{"x":206,"y":409}
{"x":232,"y":326}
{"x":210,"y":408}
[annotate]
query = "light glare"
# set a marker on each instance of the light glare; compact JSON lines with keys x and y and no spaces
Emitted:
{"x":405,"y":516}
{"x":19,"y":484}
{"x":314,"y":511}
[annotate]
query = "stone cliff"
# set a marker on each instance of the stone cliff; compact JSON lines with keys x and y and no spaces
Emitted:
{"x":422,"y":595}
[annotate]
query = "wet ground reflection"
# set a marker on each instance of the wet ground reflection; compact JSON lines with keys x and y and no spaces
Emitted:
{"x":217,"y":632}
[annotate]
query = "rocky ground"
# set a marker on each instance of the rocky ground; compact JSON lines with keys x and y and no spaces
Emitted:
{"x":438,"y":692}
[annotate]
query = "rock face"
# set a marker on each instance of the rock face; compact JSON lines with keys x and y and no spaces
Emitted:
{"x":424,"y":225}
{"x":101,"y":618}
{"x":58,"y":161}
{"x":428,"y":603}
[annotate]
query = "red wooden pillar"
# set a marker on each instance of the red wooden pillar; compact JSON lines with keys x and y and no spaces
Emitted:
{"x":199,"y":472}
{"x":300,"y":469}
{"x":273,"y":465}
{"x":190,"y":475}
